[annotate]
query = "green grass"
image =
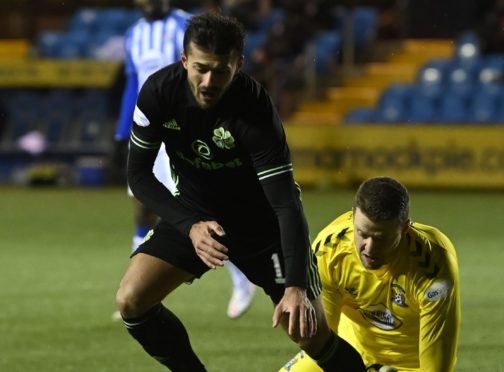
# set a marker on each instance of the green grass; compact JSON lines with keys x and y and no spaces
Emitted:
{"x":63,"y":252}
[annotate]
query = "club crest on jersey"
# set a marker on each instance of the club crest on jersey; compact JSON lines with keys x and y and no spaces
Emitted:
{"x":381,"y":317}
{"x":223,"y":138}
{"x":139,"y":118}
{"x":398,"y":295}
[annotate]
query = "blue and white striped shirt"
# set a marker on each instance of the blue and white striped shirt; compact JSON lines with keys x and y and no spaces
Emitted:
{"x":150,"y":46}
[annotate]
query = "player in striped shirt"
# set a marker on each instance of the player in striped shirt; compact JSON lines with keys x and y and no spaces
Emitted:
{"x":236,"y":200}
{"x":152,"y":43}
{"x":390,"y":286}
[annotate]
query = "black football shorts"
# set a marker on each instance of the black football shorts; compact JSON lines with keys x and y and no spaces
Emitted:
{"x":260,"y":260}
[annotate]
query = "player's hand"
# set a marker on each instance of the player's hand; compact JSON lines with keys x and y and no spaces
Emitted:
{"x":211,"y":252}
{"x":302,"y":318}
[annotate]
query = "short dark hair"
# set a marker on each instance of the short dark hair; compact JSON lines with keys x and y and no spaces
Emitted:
{"x":216,"y":33}
{"x":383,"y":199}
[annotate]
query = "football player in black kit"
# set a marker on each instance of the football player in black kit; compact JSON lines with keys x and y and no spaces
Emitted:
{"x":236,"y":200}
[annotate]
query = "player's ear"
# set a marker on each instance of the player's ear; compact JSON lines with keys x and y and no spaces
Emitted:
{"x":406,"y":225}
{"x":240,"y":62}
{"x":183,"y":58}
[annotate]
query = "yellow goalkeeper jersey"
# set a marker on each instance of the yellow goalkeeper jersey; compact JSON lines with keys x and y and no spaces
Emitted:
{"x":405,"y":314}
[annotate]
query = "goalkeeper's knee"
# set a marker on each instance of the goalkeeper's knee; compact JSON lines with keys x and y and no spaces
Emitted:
{"x":301,"y":363}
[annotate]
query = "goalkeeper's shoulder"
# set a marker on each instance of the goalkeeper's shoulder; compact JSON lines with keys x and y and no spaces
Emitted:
{"x":338,"y":233}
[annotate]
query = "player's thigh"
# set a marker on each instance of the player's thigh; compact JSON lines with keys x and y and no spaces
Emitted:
{"x":163,"y":261}
{"x":147,"y":281}
{"x":169,"y":245}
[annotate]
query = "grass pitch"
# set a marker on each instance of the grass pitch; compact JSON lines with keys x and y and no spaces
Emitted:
{"x":63,"y":252}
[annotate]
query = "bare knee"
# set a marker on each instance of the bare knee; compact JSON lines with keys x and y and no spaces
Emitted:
{"x":129,"y":302}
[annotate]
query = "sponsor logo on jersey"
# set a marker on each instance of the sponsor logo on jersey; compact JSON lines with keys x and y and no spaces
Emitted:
{"x":211,"y":165}
{"x":398,"y":295}
{"x":438,"y":290}
{"x":381,"y":317}
{"x":139,"y":118}
{"x":171,"y":124}
{"x":223,"y":138}
{"x":202,"y":149}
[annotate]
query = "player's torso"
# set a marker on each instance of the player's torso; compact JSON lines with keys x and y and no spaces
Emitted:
{"x":381,"y":304}
{"x":379,"y":301}
{"x":206,"y":144}
{"x":213,"y":169}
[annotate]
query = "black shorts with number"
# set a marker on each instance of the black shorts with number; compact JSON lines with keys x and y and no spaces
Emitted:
{"x":263,"y":264}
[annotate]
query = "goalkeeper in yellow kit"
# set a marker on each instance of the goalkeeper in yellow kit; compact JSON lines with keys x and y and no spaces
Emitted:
{"x":390,"y":285}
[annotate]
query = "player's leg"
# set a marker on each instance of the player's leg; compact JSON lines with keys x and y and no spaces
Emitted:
{"x":329,"y":351}
{"x":243,"y":292}
{"x":149,"y":278}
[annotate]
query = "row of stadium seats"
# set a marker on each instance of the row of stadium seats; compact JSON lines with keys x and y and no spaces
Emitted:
{"x":327,"y":43}
{"x":413,"y":107}
{"x":463,"y":89}
{"x":64,"y":116}
{"x":87,"y":31}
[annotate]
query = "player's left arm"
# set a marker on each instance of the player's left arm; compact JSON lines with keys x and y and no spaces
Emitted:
{"x":439,"y":300}
{"x":265,"y":141}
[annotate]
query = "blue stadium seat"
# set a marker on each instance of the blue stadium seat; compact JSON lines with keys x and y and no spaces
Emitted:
{"x":365,"y":25}
{"x":253,"y":41}
{"x":394,"y":103}
{"x":116,"y":20}
{"x":491,"y":74}
{"x":360,"y":115}
{"x":49,"y":43}
{"x":468,"y":50}
{"x":483,"y":107}
{"x":461,"y":81}
{"x":75,"y":45}
{"x":454,"y":109}
{"x":422,"y":109}
{"x":327,"y":47}
{"x":84,"y":20}
{"x":431,"y":78}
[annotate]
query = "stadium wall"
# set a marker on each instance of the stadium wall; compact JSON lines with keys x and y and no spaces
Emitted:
{"x":425,"y":156}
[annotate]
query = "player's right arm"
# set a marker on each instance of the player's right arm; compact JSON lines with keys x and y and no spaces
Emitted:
{"x":144,"y":145}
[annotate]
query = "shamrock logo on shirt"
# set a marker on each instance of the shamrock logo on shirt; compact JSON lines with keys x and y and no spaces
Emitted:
{"x":223,"y":138}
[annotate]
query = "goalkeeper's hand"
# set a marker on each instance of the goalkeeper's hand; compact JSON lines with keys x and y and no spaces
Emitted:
{"x":380,"y":368}
{"x":120,"y":153}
